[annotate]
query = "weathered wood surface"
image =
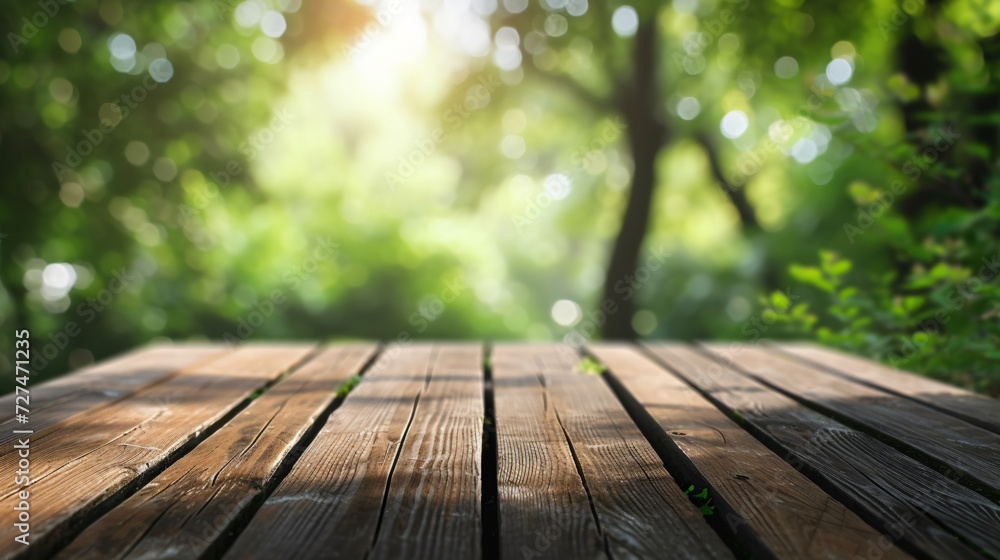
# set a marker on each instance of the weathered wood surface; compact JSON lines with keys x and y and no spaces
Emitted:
{"x":544,"y":507}
{"x":332,"y":498}
{"x":65,"y":397}
{"x":77,"y":464}
{"x":432,"y":509}
{"x":207,"y":451}
{"x":975,"y":409}
{"x":761,"y":496}
{"x":184,"y":510}
{"x":641,"y":510}
{"x":900,"y":496}
{"x":952,"y":443}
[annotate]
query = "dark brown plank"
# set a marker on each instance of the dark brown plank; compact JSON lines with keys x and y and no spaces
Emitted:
{"x":641,"y":511}
{"x":182,"y":512}
{"x":958,"y":445}
{"x":79,"y":463}
{"x":74,"y":393}
{"x":544,"y":508}
{"x":896,"y":494}
{"x":332,"y":498}
{"x":771,"y":506}
{"x":433,"y":508}
{"x":979,"y":410}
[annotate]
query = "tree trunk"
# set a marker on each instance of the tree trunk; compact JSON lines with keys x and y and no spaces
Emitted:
{"x":646,"y":136}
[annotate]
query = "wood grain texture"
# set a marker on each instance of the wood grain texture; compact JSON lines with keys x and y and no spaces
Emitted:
{"x":181,"y":512}
{"x":640,"y":509}
{"x":433,"y":507}
{"x":78,"y":392}
{"x":967,"y":449}
{"x":544,"y":508}
{"x":979,"y":410}
{"x":79,"y":463}
{"x":896,"y":494}
{"x":330,"y":503}
{"x":764,"y":499}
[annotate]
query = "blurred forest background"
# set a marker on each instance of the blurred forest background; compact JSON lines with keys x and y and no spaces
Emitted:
{"x":503,"y":169}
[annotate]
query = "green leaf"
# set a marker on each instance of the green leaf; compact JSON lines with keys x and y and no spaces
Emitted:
{"x":839,"y":268}
{"x":911,"y":303}
{"x":812,"y":276}
{"x":591,"y":367}
{"x":847,"y":293}
{"x":779,"y":300}
{"x":348,"y":385}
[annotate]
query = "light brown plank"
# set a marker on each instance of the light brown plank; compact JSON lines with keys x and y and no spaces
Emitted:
{"x":906,"y":500}
{"x":979,"y":410}
{"x":78,"y":392}
{"x":184,"y":510}
{"x":641,"y":511}
{"x":332,"y":498}
{"x":544,"y":510}
{"x":771,"y":506}
{"x":958,"y":445}
{"x":433,"y":508}
{"x":78,"y":464}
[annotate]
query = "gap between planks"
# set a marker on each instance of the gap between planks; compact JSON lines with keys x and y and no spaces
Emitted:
{"x":189,"y":509}
{"x":82,"y":468}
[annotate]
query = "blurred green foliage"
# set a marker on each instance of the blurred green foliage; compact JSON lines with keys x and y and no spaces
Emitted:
{"x":396,"y":170}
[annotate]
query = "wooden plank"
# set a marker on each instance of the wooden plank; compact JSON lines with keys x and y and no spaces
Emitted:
{"x":640,"y":509}
{"x":898,"y":495}
{"x":184,"y":510}
{"x":75,"y":393}
{"x":433,"y":507}
{"x":979,"y":410}
{"x":544,"y":510}
{"x":332,"y":498}
{"x":79,"y":463}
{"x":953,"y":443}
{"x":771,"y":506}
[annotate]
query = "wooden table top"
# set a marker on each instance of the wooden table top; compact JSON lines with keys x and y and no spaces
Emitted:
{"x":514,"y":451}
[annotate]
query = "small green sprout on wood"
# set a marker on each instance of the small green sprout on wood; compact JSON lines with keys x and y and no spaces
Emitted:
{"x":591,"y":366}
{"x":705,"y":507}
{"x":348,"y":385}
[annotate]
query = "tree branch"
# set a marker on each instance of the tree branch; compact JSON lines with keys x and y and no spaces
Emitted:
{"x":736,"y":195}
{"x":574,"y":87}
